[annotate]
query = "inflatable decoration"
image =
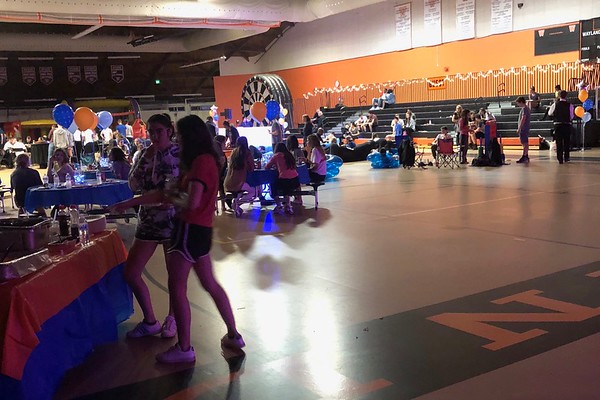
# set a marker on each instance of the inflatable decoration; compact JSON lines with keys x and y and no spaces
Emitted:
{"x":588,"y":104}
{"x":258,"y":111}
{"x":63,"y":115}
{"x":273,"y":109}
{"x":284,"y":111}
{"x":105,"y":119}
{"x":333,"y":166}
{"x":579,"y":111}
{"x":386,"y":161}
{"x":586,"y":117}
{"x":583,"y":95}
{"x":335,"y":160}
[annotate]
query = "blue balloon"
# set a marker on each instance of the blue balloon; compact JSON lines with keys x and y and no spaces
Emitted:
{"x":335,"y":160}
{"x":72,"y":128}
{"x":387,"y":161}
{"x":105,"y":118}
{"x":273,"y":109}
{"x":332,"y":172}
{"x":588,"y":104}
{"x":63,"y":115}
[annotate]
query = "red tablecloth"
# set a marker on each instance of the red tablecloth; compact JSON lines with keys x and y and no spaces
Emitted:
{"x":26,"y":303}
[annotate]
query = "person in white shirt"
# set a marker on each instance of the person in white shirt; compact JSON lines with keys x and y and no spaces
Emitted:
{"x":443,"y":135}
{"x":107,"y":135}
{"x":63,"y":139}
{"x":78,"y":143}
{"x":89,"y":137}
{"x":128,"y":131}
{"x":12,"y":149}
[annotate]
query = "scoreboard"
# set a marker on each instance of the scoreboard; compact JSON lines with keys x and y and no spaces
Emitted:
{"x":590,"y":40}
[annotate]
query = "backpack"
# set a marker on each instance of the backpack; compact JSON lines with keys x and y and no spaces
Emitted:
{"x":495,"y":153}
{"x":407,"y":154}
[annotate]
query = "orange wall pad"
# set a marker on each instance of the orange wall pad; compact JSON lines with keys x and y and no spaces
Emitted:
{"x":513,"y":49}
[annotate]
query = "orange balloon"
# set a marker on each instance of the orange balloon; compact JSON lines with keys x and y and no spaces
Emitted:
{"x":258,"y":110}
{"x":95,"y":124}
{"x":84,"y":118}
{"x":583,"y":95}
{"x":579,"y":111}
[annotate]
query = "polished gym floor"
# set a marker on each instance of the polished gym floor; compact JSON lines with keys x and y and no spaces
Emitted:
{"x":476,"y":283}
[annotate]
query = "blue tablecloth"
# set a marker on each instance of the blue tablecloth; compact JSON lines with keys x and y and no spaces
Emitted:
{"x":91,"y":175}
{"x":107,"y":193}
{"x":269,"y":176}
{"x":68,"y":337}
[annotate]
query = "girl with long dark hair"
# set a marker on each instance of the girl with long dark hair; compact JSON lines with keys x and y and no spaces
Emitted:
{"x":195,"y":199}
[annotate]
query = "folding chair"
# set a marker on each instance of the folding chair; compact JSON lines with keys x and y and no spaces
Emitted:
{"x":446,"y":156}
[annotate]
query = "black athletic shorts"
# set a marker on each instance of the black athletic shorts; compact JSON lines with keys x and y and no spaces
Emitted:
{"x":191,"y":241}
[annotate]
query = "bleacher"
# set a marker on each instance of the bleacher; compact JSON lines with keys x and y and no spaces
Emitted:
{"x":431,"y":116}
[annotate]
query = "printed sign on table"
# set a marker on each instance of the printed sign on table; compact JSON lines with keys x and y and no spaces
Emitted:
{"x":502,"y":16}
{"x":465,"y":19}
{"x":117,"y":73}
{"x":74,"y":74}
{"x":91,"y":73}
{"x":403,"y":26}
{"x":29,"y":76}
{"x":432,"y":21}
{"x":46,"y":75}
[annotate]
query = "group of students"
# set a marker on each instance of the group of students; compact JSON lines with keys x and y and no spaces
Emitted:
{"x":286,"y":157}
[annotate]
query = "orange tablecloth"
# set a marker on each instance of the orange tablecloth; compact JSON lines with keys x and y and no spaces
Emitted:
{"x":28,"y":302}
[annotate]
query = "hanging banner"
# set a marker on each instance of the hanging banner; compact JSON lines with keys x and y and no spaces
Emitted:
{"x":3,"y":76}
{"x":29,"y":76}
{"x":432,"y":21}
{"x":46,"y":75}
{"x":91,"y":73}
{"x":465,"y":19}
{"x":403,"y":26}
{"x":502,"y":16}
{"x":74,"y":74}
{"x":117,"y":73}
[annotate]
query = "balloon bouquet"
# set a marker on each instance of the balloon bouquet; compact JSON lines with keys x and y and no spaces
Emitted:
{"x":83,"y":118}
{"x":582,"y":111}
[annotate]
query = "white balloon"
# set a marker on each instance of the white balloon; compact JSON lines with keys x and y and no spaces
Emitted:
{"x":586,"y":117}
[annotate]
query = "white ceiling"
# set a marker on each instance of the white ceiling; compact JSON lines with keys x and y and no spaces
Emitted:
{"x":228,"y":19}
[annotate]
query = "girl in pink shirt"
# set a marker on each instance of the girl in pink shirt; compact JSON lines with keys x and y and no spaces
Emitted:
{"x":287,"y":181}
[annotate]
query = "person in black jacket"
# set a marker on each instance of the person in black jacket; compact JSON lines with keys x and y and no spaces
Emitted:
{"x":562,"y":113}
{"x":22,"y":179}
{"x":307,"y":130}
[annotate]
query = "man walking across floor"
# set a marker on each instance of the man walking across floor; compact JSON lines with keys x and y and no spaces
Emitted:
{"x":562,"y":113}
{"x":523,"y":128}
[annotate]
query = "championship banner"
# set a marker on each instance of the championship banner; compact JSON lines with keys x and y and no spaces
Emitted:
{"x":117,"y":73}
{"x":46,"y":75}
{"x":74,"y":74}
{"x":29,"y":76}
{"x":465,"y":19}
{"x":91,"y":73}
{"x":403,"y":26}
{"x":432,"y":21}
{"x":3,"y":76}
{"x":502,"y":16}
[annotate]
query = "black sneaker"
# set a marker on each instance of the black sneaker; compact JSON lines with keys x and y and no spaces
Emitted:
{"x":523,"y":160}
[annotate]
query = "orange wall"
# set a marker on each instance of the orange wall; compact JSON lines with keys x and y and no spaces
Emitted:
{"x":513,"y":49}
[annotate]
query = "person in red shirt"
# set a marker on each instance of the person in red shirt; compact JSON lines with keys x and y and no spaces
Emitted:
{"x":195,"y":198}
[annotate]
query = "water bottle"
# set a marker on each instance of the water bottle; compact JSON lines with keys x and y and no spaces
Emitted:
{"x":74,"y":214}
{"x":84,"y":234}
{"x":68,"y":183}
{"x":55,"y":179}
{"x":45,"y":180}
{"x":98,"y":177}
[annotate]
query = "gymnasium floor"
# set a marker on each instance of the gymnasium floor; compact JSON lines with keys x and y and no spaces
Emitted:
{"x":477,"y":283}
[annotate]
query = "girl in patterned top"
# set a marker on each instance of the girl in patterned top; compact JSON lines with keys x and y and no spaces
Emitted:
{"x":157,"y":165}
